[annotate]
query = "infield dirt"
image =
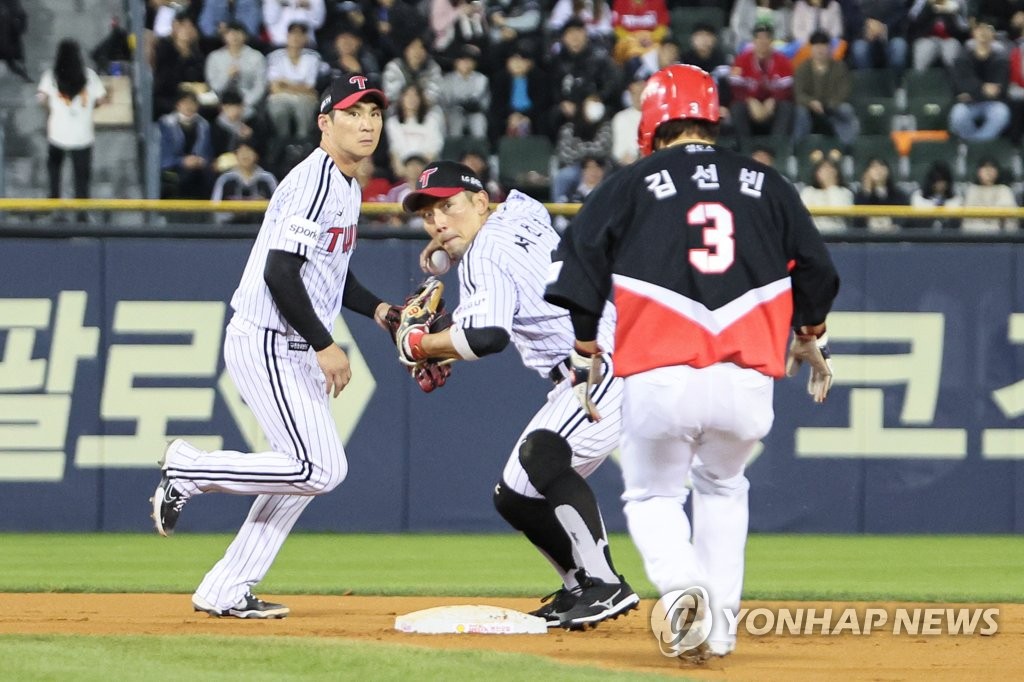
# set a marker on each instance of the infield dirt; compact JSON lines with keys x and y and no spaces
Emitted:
{"x":623,"y":644}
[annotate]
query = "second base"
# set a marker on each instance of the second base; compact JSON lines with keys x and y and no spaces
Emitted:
{"x":471,"y":619}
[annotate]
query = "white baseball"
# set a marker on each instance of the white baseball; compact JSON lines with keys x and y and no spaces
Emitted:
{"x":439,"y":262}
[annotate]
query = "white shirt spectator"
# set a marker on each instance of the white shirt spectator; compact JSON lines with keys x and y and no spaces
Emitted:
{"x":278,"y":14}
{"x":281,"y":68}
{"x":625,"y":149}
{"x":414,"y":137}
{"x":829,"y":196}
{"x":69,"y":124}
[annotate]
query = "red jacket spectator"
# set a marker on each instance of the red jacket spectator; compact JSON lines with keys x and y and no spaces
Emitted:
{"x":762,"y":78}
{"x":639,"y":15}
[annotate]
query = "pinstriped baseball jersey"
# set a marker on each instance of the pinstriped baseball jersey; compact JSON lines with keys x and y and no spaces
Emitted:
{"x":313,"y":213}
{"x":501,"y":284}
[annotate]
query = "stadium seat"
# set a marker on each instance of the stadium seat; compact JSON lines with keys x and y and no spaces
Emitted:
{"x":455,"y":147}
{"x":923,"y":154}
{"x":683,"y":19}
{"x":932,"y":83}
{"x":524,"y":163}
{"x":806,"y":149}
{"x":930,"y":113}
{"x":867,"y":147}
{"x":1005,"y":154}
{"x":875,"y":114}
{"x":872,"y":83}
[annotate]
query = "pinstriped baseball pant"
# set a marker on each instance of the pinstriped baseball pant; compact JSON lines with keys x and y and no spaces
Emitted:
{"x":285,"y":390}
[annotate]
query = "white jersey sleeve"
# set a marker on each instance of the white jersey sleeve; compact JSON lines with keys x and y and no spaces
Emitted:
{"x":297,"y":205}
{"x":487,"y":294}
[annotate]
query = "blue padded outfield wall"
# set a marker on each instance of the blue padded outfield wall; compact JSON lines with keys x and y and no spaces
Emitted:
{"x":112,"y":346}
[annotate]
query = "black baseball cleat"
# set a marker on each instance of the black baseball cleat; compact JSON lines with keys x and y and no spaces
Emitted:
{"x":596,"y":601}
{"x":248,"y":607}
{"x":555,"y":606}
{"x":167,"y":503}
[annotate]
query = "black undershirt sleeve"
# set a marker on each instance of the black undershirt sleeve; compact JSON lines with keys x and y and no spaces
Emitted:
{"x":358,"y":298}
{"x":285,"y":283}
{"x":486,"y":340}
{"x":584,"y":324}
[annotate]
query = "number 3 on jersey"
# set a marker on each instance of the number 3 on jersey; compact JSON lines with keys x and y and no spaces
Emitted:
{"x":720,"y":247}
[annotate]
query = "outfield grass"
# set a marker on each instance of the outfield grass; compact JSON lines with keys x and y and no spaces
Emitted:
{"x":910,"y":568}
{"x":102,"y":659}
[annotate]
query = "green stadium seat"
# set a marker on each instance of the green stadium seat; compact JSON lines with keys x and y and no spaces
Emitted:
{"x":806,"y":148}
{"x":1005,"y":154}
{"x":931,"y":83}
{"x":683,"y":19}
{"x":524,"y":163}
{"x":455,"y":147}
{"x":930,"y":113}
{"x":872,"y":83}
{"x":924,"y":154}
{"x":867,"y":147}
{"x":875,"y":114}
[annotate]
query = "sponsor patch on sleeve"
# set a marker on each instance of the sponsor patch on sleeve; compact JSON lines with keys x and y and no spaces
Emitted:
{"x":301,"y":231}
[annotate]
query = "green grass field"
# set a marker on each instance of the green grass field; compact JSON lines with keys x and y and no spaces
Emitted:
{"x":796,"y":567}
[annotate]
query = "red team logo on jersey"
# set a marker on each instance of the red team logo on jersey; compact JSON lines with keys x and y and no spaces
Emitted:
{"x":358,"y":81}
{"x":347,"y":235}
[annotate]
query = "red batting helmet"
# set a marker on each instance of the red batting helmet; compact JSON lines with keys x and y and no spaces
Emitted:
{"x":679,"y":91}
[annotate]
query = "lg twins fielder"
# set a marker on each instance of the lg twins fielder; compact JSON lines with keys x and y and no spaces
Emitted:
{"x":279,"y":352}
{"x":504,"y":257}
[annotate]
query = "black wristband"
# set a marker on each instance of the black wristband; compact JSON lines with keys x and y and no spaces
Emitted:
{"x":584,"y":324}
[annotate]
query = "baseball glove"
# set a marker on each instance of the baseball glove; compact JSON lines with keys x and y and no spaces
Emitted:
{"x":423,"y":314}
{"x":428,"y":374}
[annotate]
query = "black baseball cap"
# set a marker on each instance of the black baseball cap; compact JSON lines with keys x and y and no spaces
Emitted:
{"x":440,"y":180}
{"x":347,"y":90}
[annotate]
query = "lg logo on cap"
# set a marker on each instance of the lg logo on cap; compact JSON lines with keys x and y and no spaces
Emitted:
{"x":425,"y":176}
{"x":358,"y":81}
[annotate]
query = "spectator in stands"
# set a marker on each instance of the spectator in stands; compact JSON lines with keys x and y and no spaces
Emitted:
{"x":13,"y":24}
{"x":292,"y":74}
{"x":640,"y":25}
{"x":352,"y":56}
{"x":989,"y":190}
{"x":881,"y":42}
{"x":580,"y":69}
{"x":513,"y":20}
{"x":216,"y":16}
{"x":936,"y":31}
{"x":280,"y":15}
{"x":230,"y":127}
{"x":185,"y":152}
{"x":415,"y":127}
{"x":178,"y":62}
{"x":762,"y":89}
{"x":822,"y":90}
{"x":520,"y":97}
{"x":465,"y":96}
{"x":762,"y":154}
{"x":596,"y":16}
{"x":483,"y":170}
{"x":827,"y":189}
{"x":980,"y":78}
{"x":246,"y":181}
{"x":70,"y":91}
{"x":588,"y":134}
{"x":1006,"y":16}
{"x":390,"y":25}
{"x":749,"y":14}
{"x":705,"y":52}
{"x":239,"y":68}
{"x":593,"y":171}
{"x":455,"y":24}
{"x":877,"y":188}
{"x":625,"y":149}
{"x":415,"y":66}
{"x":1015,"y":92}
{"x":814,"y":16}
{"x":936,"y":190}
{"x":412,"y":166}
{"x":668,"y":53}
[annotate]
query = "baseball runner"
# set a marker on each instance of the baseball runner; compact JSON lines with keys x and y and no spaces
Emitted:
{"x":712,"y":258}
{"x":279,"y":352}
{"x":504,"y":256}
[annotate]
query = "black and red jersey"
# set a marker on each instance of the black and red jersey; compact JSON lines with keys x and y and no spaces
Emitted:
{"x":712,"y":257}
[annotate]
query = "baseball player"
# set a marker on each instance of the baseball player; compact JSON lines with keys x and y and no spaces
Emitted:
{"x":504,"y":256}
{"x":712,"y":258}
{"x":280,"y":354}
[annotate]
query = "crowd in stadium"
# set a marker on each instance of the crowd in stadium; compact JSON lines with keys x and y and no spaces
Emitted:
{"x":814,"y":87}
